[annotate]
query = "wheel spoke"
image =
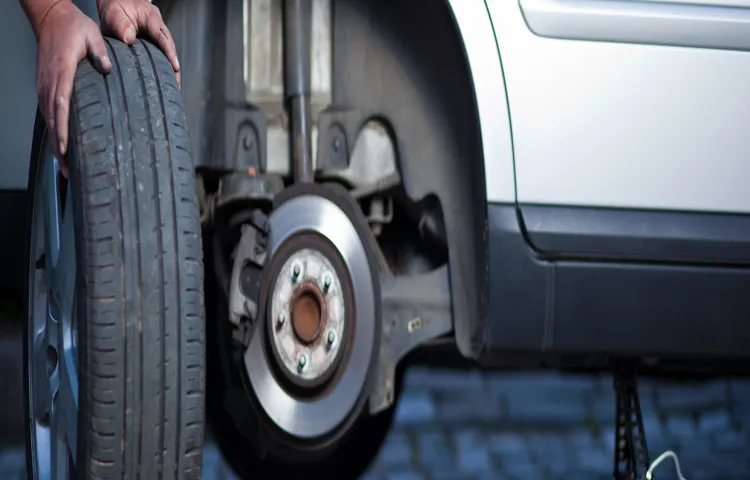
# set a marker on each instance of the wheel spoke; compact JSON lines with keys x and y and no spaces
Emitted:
{"x":42,"y":392}
{"x":51,"y":212}
{"x":59,"y":450}
{"x":65,"y":407}
{"x":55,"y":369}
{"x":42,"y":452}
{"x":62,"y":284}
{"x":63,"y":281}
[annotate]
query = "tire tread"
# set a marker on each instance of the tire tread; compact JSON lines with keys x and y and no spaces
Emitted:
{"x":144,"y":376}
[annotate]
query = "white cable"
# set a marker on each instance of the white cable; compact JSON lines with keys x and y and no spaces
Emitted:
{"x":661,"y":458}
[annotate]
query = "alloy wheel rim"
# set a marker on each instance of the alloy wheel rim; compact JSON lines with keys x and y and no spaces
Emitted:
{"x":52,"y":318}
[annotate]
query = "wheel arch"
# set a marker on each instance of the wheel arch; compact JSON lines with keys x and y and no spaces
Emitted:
{"x":483,"y":70}
{"x":439,"y":84}
{"x":452,"y":127}
{"x":433,"y":72}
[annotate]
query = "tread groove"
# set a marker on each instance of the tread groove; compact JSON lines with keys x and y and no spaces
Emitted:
{"x":176,"y":246}
{"x":160,"y":250}
{"x":117,"y":161}
{"x":138,"y":266}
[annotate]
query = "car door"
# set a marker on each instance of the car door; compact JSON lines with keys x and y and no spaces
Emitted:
{"x":628,"y":103}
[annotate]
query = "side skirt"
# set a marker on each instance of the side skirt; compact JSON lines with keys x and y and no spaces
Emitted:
{"x":546,"y":306}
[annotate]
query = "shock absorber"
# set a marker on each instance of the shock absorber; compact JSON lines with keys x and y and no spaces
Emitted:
{"x":297,"y":37}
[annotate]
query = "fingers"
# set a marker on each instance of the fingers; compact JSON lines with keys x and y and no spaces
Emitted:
{"x":48,"y":110}
{"x":119,"y":25}
{"x":43,"y":86}
{"x":63,"y":92}
{"x":97,"y":52}
{"x":153,"y":24}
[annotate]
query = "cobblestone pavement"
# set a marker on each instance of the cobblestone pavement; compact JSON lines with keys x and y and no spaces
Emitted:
{"x":475,"y":425}
{"x":482,"y":425}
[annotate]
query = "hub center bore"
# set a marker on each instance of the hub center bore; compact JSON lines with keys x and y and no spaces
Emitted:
{"x":308,"y":318}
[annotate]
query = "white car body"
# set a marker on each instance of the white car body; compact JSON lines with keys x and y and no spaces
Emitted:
{"x":599,"y":118}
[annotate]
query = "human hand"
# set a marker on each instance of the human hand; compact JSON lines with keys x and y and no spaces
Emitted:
{"x":128,"y":19}
{"x":65,"y":36}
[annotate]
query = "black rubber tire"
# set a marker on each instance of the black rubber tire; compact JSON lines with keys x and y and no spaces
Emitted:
{"x":141,"y":330}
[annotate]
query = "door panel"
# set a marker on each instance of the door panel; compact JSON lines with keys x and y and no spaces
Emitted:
{"x":601,"y":123}
{"x":692,"y":23}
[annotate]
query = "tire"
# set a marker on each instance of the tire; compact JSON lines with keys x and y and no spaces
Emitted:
{"x":139,"y":291}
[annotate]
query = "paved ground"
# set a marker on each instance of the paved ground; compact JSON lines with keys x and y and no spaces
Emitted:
{"x":474,"y":425}
{"x":459,"y":425}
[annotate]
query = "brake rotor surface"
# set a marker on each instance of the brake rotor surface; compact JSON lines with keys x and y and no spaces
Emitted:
{"x":309,"y":361}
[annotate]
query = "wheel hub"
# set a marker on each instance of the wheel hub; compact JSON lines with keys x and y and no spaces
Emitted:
{"x":307,"y":315}
{"x":308,"y":291}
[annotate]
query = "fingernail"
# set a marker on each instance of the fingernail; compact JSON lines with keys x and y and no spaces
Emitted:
{"x":177,"y":62}
{"x":129,"y":35}
{"x":62,"y":147}
{"x":104,"y":63}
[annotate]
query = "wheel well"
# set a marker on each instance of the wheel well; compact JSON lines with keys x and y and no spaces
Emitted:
{"x":403,"y":63}
{"x":406,"y":61}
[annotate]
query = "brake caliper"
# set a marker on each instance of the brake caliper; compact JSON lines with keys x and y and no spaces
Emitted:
{"x":245,"y":284}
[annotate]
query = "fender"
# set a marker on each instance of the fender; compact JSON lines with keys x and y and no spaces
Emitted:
{"x":483,"y":54}
{"x":486,"y":70}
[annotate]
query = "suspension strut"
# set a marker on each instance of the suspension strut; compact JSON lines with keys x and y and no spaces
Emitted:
{"x":297,"y":37}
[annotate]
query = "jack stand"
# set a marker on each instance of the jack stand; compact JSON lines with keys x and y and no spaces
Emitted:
{"x":631,"y":452}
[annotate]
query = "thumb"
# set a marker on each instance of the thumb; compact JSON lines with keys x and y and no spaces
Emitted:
{"x":119,"y":25}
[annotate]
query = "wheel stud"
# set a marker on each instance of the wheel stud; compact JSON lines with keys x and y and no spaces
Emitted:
{"x":327,"y":280}
{"x":281,"y":319}
{"x":301,"y":363}
{"x":331,"y":338}
{"x":296,"y":271}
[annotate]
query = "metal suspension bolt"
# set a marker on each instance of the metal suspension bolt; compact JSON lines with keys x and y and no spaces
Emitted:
{"x":301,"y":363}
{"x":282,"y":318}
{"x":331,"y":338}
{"x":327,"y":281}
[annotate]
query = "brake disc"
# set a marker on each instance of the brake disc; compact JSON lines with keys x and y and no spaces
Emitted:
{"x":312,"y":336}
